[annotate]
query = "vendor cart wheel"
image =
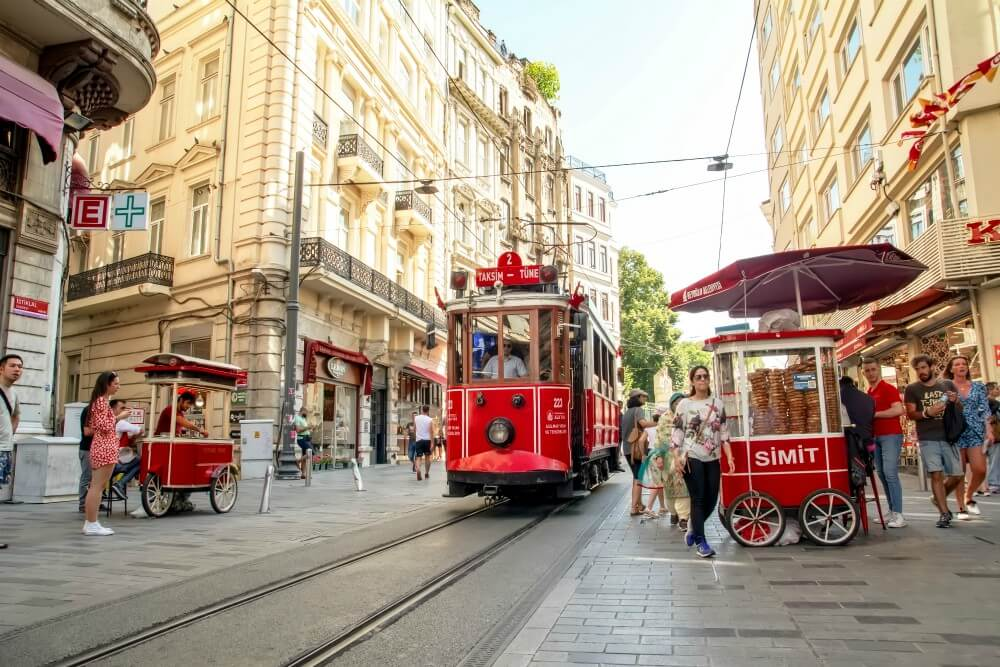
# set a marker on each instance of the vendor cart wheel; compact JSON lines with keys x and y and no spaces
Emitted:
{"x":829,"y":517}
{"x":755,"y":519}
{"x":223,"y":492}
{"x":155,"y":500}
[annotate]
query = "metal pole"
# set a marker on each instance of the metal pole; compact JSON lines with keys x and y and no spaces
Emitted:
{"x":287,"y":468}
{"x":798,"y":294}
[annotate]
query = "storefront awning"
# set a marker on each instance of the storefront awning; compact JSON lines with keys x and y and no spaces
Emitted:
{"x":315,"y":348}
{"x":33,"y":103}
{"x":901,"y":312}
{"x":427,"y":374}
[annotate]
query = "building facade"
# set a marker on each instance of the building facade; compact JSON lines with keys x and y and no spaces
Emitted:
{"x":595,"y":252}
{"x":401,"y":111}
{"x":64,"y":65}
{"x":839,"y":82}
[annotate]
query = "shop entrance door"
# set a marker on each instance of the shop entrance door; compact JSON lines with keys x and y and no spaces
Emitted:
{"x":340,"y":422}
{"x":378,"y":442}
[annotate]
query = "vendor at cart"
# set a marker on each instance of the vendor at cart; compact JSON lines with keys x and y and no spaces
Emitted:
{"x":181,"y":502}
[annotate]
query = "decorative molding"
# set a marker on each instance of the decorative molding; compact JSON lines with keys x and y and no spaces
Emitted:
{"x":154,"y":172}
{"x":39,"y":229}
{"x":197,"y":154}
{"x":82,"y":73}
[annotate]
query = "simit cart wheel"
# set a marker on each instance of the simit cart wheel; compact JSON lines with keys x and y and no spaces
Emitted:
{"x":829,"y":517}
{"x":222,"y":494}
{"x":155,"y":500}
{"x":755,"y":519}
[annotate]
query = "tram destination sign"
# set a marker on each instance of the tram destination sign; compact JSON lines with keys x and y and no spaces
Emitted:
{"x":509,"y":272}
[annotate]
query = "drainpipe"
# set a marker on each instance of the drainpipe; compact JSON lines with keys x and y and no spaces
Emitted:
{"x":221,"y":175}
{"x":953,"y":194}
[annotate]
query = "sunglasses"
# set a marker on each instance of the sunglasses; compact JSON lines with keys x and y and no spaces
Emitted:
{"x":701,"y":376}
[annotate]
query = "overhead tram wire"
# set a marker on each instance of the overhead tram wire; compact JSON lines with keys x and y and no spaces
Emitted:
{"x":732,"y":127}
{"x":337,"y":104}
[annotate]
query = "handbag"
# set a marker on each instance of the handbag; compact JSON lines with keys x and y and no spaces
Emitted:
{"x":954,"y":423}
{"x":638,"y":451}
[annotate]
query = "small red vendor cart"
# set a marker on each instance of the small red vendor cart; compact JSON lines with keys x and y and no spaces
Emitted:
{"x":173,"y":462}
{"x":780,"y":388}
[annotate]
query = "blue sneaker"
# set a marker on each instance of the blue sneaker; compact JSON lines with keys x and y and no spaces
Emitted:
{"x":689,"y":539}
{"x":704,"y":550}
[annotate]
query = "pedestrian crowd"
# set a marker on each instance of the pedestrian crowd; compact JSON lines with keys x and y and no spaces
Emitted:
{"x":674,"y":455}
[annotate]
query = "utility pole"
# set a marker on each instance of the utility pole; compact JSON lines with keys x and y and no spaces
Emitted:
{"x":287,"y":468}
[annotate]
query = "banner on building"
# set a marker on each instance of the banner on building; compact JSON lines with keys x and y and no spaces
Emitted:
{"x":933,"y":109}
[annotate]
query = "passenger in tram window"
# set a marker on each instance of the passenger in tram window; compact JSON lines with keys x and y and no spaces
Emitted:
{"x":513,"y":365}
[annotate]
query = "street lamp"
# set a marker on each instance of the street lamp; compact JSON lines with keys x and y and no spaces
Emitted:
{"x":426,"y":188}
{"x":719,"y":163}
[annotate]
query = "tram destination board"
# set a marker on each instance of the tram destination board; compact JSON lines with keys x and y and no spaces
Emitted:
{"x":509,"y":275}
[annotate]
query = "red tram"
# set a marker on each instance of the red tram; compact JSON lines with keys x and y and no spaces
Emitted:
{"x":532,"y":401}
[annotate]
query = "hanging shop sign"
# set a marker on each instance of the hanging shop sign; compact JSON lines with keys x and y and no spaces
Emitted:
{"x":983,"y":231}
{"x":90,"y":212}
{"x":336,"y":367}
{"x":35,"y":308}
{"x":129,"y":211}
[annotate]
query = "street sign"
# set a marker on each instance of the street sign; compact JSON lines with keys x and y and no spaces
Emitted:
{"x":35,"y":308}
{"x":129,"y":211}
{"x":90,"y":211}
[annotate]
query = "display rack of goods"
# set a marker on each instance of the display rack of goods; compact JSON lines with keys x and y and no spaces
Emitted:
{"x":832,"y":399}
{"x":759,"y":402}
{"x":796,"y":404}
{"x":777,"y":401}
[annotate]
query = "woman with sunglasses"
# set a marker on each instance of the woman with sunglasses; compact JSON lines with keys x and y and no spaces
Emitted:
{"x":700,"y":435}
{"x":103,"y":448}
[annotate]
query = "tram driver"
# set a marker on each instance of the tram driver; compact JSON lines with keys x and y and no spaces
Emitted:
{"x":513,"y":365}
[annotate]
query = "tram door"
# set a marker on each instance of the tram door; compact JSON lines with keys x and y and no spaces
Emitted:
{"x":577,"y":359}
{"x":378,"y":426}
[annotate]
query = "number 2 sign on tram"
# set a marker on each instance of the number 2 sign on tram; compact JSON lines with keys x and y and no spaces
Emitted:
{"x":509,"y":271}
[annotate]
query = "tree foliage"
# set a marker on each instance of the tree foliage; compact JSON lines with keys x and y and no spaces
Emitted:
{"x":647,"y":323}
{"x":685,"y":355}
{"x":546,"y":77}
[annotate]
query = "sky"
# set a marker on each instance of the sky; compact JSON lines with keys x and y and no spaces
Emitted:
{"x":646,"y":80}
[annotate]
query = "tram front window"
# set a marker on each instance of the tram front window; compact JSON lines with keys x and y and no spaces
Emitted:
{"x":484,"y":332}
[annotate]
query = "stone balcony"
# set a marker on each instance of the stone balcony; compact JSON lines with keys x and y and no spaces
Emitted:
{"x":349,"y":279}
{"x":98,"y":53}
{"x":119,"y":284}
{"x":413,"y":214}
{"x":359,"y":163}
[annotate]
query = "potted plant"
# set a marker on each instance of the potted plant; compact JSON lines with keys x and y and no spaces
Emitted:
{"x":327,"y":460}
{"x":317,"y":461}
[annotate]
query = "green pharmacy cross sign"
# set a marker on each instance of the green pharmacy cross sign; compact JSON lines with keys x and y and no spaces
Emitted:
{"x":129,"y":211}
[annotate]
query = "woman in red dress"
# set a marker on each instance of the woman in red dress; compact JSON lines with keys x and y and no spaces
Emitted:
{"x":103,"y":449}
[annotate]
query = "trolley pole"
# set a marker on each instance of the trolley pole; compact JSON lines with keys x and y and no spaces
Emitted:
{"x":287,"y":468}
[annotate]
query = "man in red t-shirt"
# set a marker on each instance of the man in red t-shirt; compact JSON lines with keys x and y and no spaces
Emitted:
{"x":181,"y":502}
{"x":888,"y":438}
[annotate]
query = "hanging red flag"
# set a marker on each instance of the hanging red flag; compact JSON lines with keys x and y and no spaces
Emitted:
{"x":932,"y":110}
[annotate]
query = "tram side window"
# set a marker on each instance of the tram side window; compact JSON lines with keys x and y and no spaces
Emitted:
{"x":456,"y":367}
{"x":597,"y":365}
{"x":483,"y":347}
{"x":545,"y":365}
{"x":609,"y":369}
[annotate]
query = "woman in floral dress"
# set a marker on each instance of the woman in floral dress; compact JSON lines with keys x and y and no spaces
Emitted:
{"x":678,"y":500}
{"x":699,"y":437}
{"x":976,"y":437}
{"x":103,"y":449}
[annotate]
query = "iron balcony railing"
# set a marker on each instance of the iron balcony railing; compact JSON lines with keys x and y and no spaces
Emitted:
{"x":407,"y":200}
{"x":321,"y":131}
{"x":352,"y":145}
{"x":148,"y":269}
{"x":321,"y":253}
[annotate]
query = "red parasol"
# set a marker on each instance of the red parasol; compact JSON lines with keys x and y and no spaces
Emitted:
{"x":818,"y":280}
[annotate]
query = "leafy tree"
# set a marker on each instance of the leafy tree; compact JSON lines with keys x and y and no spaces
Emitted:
{"x":684,"y":356}
{"x":647,"y":323}
{"x":546,"y":77}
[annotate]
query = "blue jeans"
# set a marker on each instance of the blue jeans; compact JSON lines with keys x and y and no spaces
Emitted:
{"x":993,"y":476}
{"x":887,"y":451}
{"x":410,"y":449}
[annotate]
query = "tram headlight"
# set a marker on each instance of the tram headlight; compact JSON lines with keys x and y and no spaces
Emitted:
{"x":500,"y":432}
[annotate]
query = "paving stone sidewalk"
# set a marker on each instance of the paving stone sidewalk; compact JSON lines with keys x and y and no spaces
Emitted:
{"x":636,"y":596}
{"x":49,"y":567}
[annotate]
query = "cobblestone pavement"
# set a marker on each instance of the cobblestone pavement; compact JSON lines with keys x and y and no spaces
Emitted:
{"x":636,"y":596}
{"x":49,"y":569}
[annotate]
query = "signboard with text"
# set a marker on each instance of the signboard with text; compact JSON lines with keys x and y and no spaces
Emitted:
{"x":510,"y":271}
{"x":90,"y":212}
{"x":35,"y":308}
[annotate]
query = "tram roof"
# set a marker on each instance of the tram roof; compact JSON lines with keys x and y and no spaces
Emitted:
{"x":508,"y":300}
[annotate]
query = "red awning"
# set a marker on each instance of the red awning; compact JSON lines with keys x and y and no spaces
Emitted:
{"x":901,"y":312}
{"x":427,"y":374}
{"x":318,"y":347}
{"x":33,"y":103}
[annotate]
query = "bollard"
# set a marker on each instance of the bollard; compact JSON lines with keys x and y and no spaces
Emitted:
{"x":265,"y":498}
{"x":308,"y":466}
{"x":358,"y":484}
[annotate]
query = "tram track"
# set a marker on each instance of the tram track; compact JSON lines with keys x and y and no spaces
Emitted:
{"x":326,"y":652}
{"x":164,"y":628}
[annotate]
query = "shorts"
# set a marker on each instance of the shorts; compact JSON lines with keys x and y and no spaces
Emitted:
{"x":421,"y":448}
{"x":305,"y":442}
{"x":5,"y":468}
{"x":634,"y":466}
{"x":940,"y":456}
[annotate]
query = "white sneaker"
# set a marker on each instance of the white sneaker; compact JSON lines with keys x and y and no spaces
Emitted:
{"x":96,"y":529}
{"x":962,"y":515}
{"x":973,"y":508}
{"x":896,"y":521}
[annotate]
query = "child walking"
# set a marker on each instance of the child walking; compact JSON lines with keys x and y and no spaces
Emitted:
{"x":674,"y":488}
